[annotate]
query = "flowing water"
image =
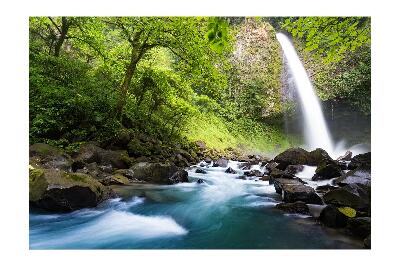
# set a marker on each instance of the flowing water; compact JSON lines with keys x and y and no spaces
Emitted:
{"x":223,"y":212}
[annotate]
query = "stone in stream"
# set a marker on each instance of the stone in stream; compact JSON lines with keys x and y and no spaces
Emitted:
{"x":200,"y":171}
{"x":293,"y":190}
{"x":332,"y":217}
{"x":293,"y":207}
{"x":116,"y":179}
{"x":356,"y":196}
{"x":294,"y":169}
{"x":327,"y":170}
{"x":230,"y":171}
{"x":358,"y":176}
{"x":221,"y":162}
{"x":256,"y":173}
{"x":325,"y":188}
{"x":200,"y":181}
{"x":361,"y":161}
{"x":345,"y":157}
{"x":57,"y":190}
{"x":158,"y":173}
{"x":299,"y":156}
{"x":245,"y":166}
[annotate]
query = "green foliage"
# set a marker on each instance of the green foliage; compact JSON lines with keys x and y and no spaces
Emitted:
{"x":349,"y":212}
{"x":331,"y":37}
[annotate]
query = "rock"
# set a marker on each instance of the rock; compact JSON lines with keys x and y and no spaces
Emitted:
{"x":292,"y":156}
{"x":200,"y":171}
{"x":270,"y":165}
{"x":294,"y":169}
{"x":230,"y":171}
{"x":367,"y":242}
{"x":159,"y":173}
{"x":317,"y":156}
{"x":327,"y":170}
{"x":57,"y":190}
{"x":342,"y":165}
{"x":332,"y":217}
{"x":208,"y":160}
{"x":106,"y":168}
{"x":345,"y":157}
{"x":361,"y":161}
{"x":256,"y":173}
{"x":243,"y":177}
{"x":293,"y":190}
{"x":357,"y":176}
{"x":203,"y":164}
{"x":276,"y":173}
{"x":45,"y":156}
{"x":200,"y":181}
{"x":221,"y":162}
{"x":181,"y":161}
{"x":116,"y":179}
{"x":265,"y":178}
{"x":325,"y":188}
{"x":185,"y":155}
{"x":359,"y":226}
{"x":356,"y":196}
{"x":122,"y":139}
{"x":245,"y":166}
{"x":180,"y":176}
{"x":137,"y":148}
{"x":294,"y":207}
{"x":90,"y":153}
{"x":125,"y":172}
{"x":201,"y":145}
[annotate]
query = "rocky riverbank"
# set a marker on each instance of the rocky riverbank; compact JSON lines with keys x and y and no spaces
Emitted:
{"x":62,"y":181}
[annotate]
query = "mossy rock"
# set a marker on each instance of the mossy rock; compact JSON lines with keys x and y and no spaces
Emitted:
{"x":57,"y":190}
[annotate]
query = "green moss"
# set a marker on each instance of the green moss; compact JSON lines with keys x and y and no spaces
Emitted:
{"x":349,"y":212}
{"x":37,"y":184}
{"x":76,"y":177}
{"x":34,"y":174}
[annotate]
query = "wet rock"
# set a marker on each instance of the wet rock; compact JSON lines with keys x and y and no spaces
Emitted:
{"x":256,"y":173}
{"x":294,"y":207}
{"x":361,"y":161}
{"x":317,"y":156}
{"x":208,"y":160}
{"x":200,"y":181}
{"x":332,"y":217}
{"x":327,"y":170}
{"x":345,"y":157}
{"x":221,"y":162}
{"x":243,"y":177}
{"x":265,"y":178}
{"x":200,"y":171}
{"x":342,"y":165}
{"x":293,"y":190}
{"x":357,"y":176}
{"x":128,"y":173}
{"x":270,"y":165}
{"x":230,"y":171}
{"x":180,"y":176}
{"x":294,"y":169}
{"x":159,"y":173}
{"x":359,"y":226}
{"x":57,"y":190}
{"x":356,"y":196}
{"x":203,"y":164}
{"x":292,"y":156}
{"x":325,"y":188}
{"x":45,"y":156}
{"x":245,"y":166}
{"x":116,"y":179}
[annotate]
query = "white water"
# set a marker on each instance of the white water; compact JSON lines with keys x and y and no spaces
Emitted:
{"x":315,"y":129}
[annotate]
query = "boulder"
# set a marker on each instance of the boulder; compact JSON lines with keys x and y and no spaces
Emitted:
{"x":294,"y":207}
{"x":256,"y":173}
{"x":89,"y":153}
{"x":128,"y":173}
{"x":45,"y":156}
{"x":342,"y":164}
{"x":345,"y":157}
{"x":200,"y":171}
{"x":361,"y":161}
{"x":332,"y":217}
{"x":357,"y":176}
{"x":116,"y":179}
{"x":356,"y":196}
{"x":327,"y":170}
{"x":200,"y":181}
{"x":180,"y":176}
{"x":359,"y":226}
{"x":317,"y":156}
{"x":230,"y":171}
{"x":243,"y":177}
{"x":57,"y":190}
{"x":159,"y":173}
{"x":221,"y":162}
{"x":201,"y":146}
{"x":245,"y":166}
{"x":293,"y":190}
{"x":294,"y":169}
{"x":292,"y":156}
{"x":325,"y":188}
{"x":208,"y":160}
{"x":265,"y":178}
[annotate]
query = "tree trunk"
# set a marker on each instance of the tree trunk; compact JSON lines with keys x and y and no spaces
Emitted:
{"x":63,"y":36}
{"x":135,"y":57}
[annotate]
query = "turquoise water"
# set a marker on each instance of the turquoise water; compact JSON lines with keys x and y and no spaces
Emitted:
{"x":221,"y":213}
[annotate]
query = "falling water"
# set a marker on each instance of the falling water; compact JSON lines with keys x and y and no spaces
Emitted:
{"x":315,"y":129}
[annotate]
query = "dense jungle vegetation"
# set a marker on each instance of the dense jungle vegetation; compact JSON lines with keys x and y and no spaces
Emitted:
{"x":176,"y":80}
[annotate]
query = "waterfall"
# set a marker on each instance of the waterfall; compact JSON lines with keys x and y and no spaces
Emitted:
{"x":315,"y":130}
